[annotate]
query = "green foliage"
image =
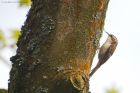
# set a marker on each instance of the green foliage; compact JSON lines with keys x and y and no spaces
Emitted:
{"x":112,"y":90}
{"x":3,"y":91}
{"x":1,"y":36}
{"x":24,"y":3}
{"x":2,"y":40}
{"x":15,"y":34}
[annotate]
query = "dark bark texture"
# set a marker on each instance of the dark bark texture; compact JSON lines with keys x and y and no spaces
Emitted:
{"x":57,"y":45}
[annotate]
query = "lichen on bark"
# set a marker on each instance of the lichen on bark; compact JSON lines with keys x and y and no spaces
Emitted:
{"x":58,"y":42}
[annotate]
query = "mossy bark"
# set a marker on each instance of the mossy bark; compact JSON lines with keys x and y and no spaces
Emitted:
{"x":58,"y":42}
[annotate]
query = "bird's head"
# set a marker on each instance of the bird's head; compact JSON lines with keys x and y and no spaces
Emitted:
{"x":112,"y":37}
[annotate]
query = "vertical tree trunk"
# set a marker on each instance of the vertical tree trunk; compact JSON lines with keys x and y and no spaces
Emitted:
{"x":58,"y":42}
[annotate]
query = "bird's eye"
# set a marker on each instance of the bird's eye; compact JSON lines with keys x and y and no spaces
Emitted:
{"x":111,"y":36}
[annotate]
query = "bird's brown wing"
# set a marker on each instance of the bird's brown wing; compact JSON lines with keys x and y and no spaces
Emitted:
{"x":109,"y":52}
{"x":107,"y":55}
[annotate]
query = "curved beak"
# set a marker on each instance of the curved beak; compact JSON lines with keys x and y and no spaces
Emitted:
{"x":107,"y":33}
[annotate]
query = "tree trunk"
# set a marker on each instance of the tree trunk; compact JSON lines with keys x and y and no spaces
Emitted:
{"x":57,"y":44}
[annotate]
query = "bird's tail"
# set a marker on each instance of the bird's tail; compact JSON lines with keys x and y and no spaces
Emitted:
{"x":95,"y":69}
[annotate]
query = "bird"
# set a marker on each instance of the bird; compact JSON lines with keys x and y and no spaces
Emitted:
{"x":105,"y":52}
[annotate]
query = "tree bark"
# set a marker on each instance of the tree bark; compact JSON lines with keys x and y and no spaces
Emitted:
{"x":57,"y":45}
